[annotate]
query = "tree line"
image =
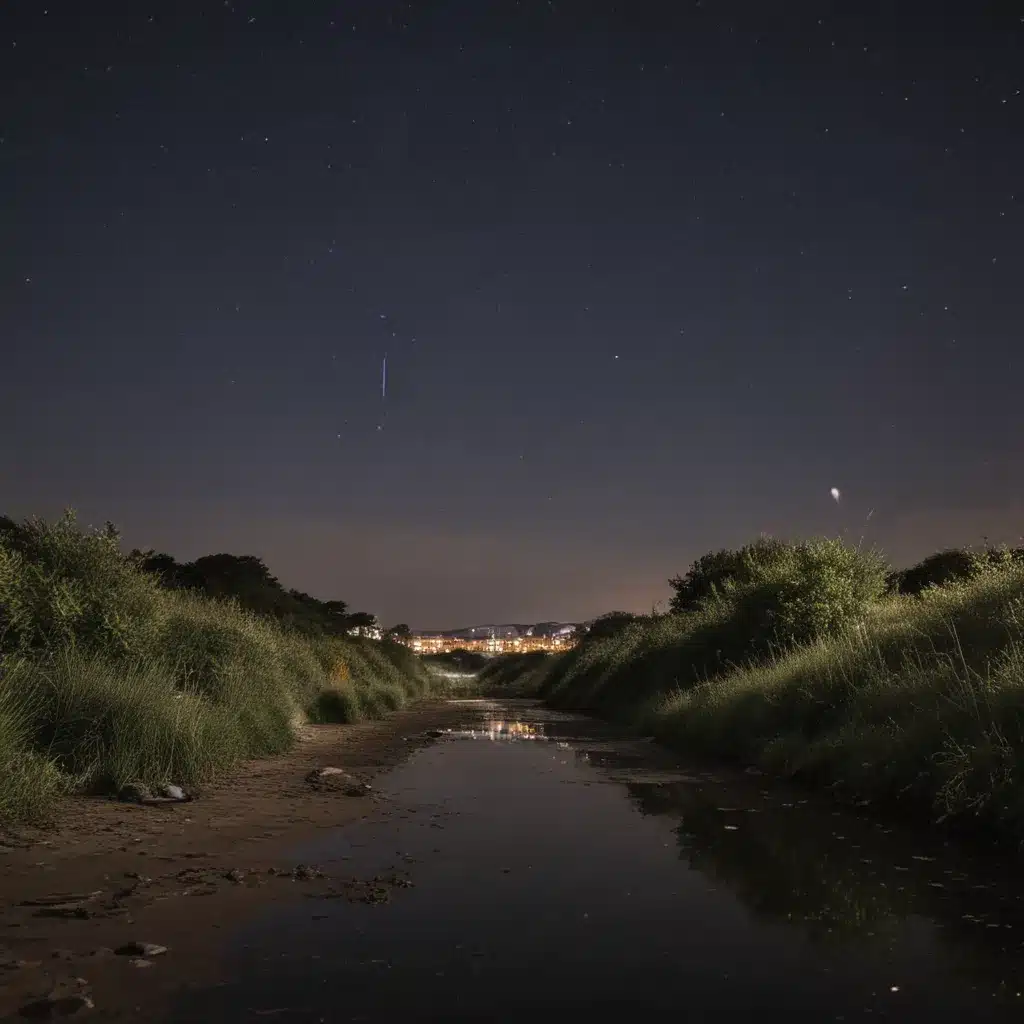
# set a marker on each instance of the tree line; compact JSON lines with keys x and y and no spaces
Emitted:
{"x":247,"y":580}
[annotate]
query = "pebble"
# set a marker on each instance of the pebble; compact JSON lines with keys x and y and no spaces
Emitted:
{"x":140,"y":949}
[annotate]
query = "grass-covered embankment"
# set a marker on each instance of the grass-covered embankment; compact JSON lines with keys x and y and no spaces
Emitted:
{"x":514,"y":674}
{"x":801,"y":660}
{"x":107,"y":678}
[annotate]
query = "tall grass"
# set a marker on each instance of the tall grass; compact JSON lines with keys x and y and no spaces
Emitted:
{"x":106,"y":679}
{"x":911,"y":700}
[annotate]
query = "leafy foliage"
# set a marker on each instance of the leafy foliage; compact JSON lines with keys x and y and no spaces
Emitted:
{"x":787,"y":594}
{"x":955,"y":565}
{"x":608,"y":625}
{"x":247,"y":580}
{"x":61,"y":586}
{"x":707,"y":575}
{"x":118,"y":669}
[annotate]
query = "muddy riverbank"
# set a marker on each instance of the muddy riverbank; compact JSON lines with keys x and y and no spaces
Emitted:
{"x":179,"y":874}
{"x":527,"y":863}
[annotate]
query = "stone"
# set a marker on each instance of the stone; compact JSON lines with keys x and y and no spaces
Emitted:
{"x":140,"y":949}
{"x":172,"y":792}
{"x":138,"y":961}
{"x":337,"y":780}
{"x":234,"y":875}
{"x":134,"y":793}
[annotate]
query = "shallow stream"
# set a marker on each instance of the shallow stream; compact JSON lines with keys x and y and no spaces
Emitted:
{"x":561,"y":872}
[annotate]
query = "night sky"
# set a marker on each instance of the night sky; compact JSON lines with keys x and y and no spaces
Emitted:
{"x":650,"y":278}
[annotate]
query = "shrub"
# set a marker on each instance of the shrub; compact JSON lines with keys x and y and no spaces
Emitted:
{"x":336,"y":704}
{"x":775,"y":595}
{"x":61,"y":586}
{"x":106,"y":677}
{"x":103,"y":724}
{"x":707,"y":575}
{"x":781,"y":594}
{"x":951,"y":567}
{"x":936,"y":570}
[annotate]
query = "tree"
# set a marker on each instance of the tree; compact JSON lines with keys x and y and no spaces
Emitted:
{"x":609,"y":624}
{"x":708,"y":574}
{"x":172,"y":574}
{"x":945,"y":567}
{"x":363,"y":624}
{"x":399,"y":633}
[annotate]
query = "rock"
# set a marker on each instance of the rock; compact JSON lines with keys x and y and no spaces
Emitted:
{"x":434,"y":734}
{"x":140,"y":949}
{"x":234,"y":875}
{"x":138,"y":961}
{"x":337,"y":780}
{"x":303,"y":873}
{"x":134,"y":793}
{"x":173,"y":792}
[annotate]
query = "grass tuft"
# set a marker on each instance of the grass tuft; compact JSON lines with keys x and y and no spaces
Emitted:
{"x":915,"y":701}
{"x":106,"y":678}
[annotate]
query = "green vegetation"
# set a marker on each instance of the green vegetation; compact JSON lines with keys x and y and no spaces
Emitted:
{"x":807,"y":660}
{"x":114,"y":669}
{"x":514,"y":673}
{"x":459,"y":660}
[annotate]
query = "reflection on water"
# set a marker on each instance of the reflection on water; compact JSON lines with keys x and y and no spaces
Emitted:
{"x":574,"y":870}
{"x":843,"y":878}
{"x":502,"y":729}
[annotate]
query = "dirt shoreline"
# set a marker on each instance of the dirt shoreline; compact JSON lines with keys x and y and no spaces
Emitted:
{"x":179,"y":874}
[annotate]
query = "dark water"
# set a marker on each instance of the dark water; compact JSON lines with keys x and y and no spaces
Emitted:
{"x":564,"y":873}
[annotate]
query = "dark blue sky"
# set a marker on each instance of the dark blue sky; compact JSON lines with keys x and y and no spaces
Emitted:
{"x":650,"y":278}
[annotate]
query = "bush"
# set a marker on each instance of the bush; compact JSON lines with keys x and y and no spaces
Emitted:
{"x":102,"y":725}
{"x":776,"y":595}
{"x":926,"y":704}
{"x":336,"y":704}
{"x":521,"y":671}
{"x":60,"y":586}
{"x":784,"y":594}
{"x":707,"y":575}
{"x":948,"y":568}
{"x":107,"y":678}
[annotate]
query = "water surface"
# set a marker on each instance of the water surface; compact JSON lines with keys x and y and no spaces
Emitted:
{"x":561,"y":872}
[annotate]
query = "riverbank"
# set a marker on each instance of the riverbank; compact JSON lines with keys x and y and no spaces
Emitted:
{"x":524,"y":833}
{"x":111,"y":678}
{"x":174,"y":874}
{"x":917,"y":710}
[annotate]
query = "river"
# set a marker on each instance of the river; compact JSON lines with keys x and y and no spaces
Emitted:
{"x":560,"y":871}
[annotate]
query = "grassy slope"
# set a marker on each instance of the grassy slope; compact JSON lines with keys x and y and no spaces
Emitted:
{"x":923,"y":704}
{"x":106,"y":679}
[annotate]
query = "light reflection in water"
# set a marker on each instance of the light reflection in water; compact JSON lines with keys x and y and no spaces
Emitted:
{"x":500,"y":729}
